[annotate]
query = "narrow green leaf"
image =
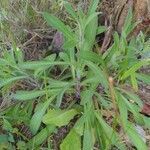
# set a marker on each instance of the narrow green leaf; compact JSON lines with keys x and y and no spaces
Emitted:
{"x":38,"y":70}
{"x":64,"y":56}
{"x":134,"y":82}
{"x":93,"y":6}
{"x":135,"y":137}
{"x":128,"y":21}
{"x":135,"y":67}
{"x":71,"y":11}
{"x":79,"y":126}
{"x":98,"y":73}
{"x":60,"y":95}
{"x":134,"y":97}
{"x":10,"y":80}
{"x":38,"y":64}
{"x":36,"y":119}
{"x":71,"y":142}
{"x":122,"y":109}
{"x":7,"y":126}
{"x":90,"y":34}
{"x":59,"y":25}
{"x":143,"y":77}
{"x":111,"y":135}
{"x":91,"y":80}
{"x":41,"y":136}
{"x":87,"y":139}
{"x":10,"y":57}
{"x":59,"y":117}
{"x":108,"y":55}
{"x":134,"y":108}
{"x":90,"y":18}
{"x":57,"y":83}
{"x":86,"y":96}
{"x":103,"y":101}
{"x":69,"y":44}
{"x":101,"y":29}
{"x":91,"y":56}
{"x":72,"y":59}
{"x":27,"y":95}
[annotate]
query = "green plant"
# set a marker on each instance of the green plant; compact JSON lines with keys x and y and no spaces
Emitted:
{"x":96,"y":83}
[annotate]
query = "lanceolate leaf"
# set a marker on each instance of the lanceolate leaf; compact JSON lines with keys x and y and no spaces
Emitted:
{"x":122,"y":109}
{"x":60,"y":95}
{"x":128,"y":22}
{"x":36,"y":119}
{"x":134,"y":97}
{"x":135,"y":137}
{"x":71,"y":142}
{"x":90,"y":18}
{"x":112,"y":136}
{"x":79,"y":126}
{"x":87,"y":139}
{"x":86,"y":96}
{"x":93,"y":6}
{"x":101,"y":29}
{"x":27,"y":95}
{"x":134,"y":82}
{"x":143,"y":77}
{"x":132,"y":107}
{"x":90,"y":34}
{"x":59,"y":117}
{"x":71,"y":11}
{"x":91,"y":56}
{"x":32,"y":65}
{"x":10,"y":80}
{"x":135,"y":67}
{"x":41,"y":136}
{"x":7,"y":126}
{"x":59,"y":25}
{"x":98,"y":73}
